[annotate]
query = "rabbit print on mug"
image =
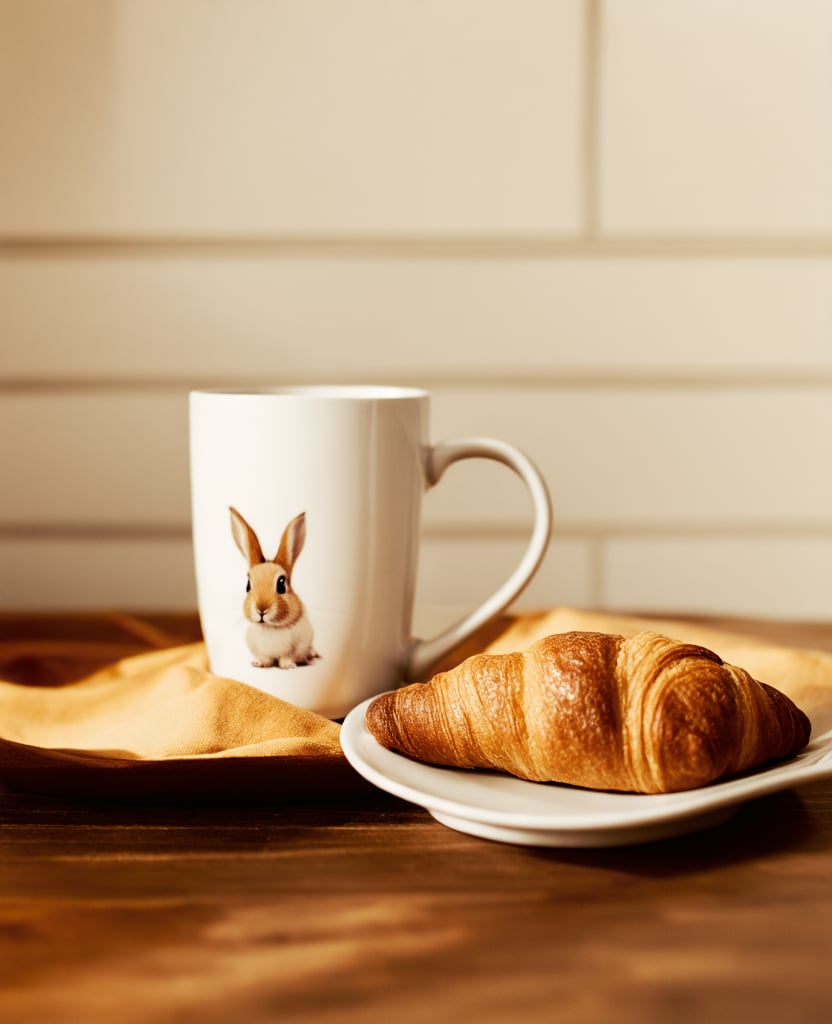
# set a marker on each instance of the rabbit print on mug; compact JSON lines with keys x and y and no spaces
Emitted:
{"x":279,"y":631}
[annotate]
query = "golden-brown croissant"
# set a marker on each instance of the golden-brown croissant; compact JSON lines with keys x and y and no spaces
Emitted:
{"x":647,"y":715}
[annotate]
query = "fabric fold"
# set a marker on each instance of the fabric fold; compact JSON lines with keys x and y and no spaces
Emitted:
{"x":161,"y":724}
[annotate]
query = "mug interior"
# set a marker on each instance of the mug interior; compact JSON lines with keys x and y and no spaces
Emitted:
{"x":354,"y":392}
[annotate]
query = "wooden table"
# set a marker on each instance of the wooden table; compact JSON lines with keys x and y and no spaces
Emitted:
{"x":371,"y":911}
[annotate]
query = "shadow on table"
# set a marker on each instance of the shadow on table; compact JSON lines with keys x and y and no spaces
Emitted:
{"x":778,"y":823}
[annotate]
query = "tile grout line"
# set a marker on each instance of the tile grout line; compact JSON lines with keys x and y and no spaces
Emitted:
{"x":589,"y":244}
{"x":598,"y":536}
{"x":576,"y":379}
{"x":597,"y":581}
{"x":591,"y":113}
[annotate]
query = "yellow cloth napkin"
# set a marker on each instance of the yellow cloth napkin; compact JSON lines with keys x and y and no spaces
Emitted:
{"x":160,"y":724}
{"x":160,"y":705}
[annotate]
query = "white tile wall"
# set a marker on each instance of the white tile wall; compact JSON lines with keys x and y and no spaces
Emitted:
{"x":715,"y":117}
{"x":172,"y":316}
{"x":601,"y":230}
{"x":218,"y":117}
{"x":94,"y":457}
{"x":691,"y":458}
{"x":96,"y":572}
{"x":771,"y":576}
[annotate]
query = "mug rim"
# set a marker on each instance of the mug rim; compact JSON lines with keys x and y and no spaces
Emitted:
{"x":348,"y":392}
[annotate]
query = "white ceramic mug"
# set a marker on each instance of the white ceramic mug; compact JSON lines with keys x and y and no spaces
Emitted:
{"x":306,"y":506}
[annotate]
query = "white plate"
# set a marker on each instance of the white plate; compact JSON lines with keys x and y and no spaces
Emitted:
{"x":497,"y":806}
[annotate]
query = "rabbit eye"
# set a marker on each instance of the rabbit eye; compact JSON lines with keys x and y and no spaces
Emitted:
{"x":248,"y":585}
{"x":281,"y":584}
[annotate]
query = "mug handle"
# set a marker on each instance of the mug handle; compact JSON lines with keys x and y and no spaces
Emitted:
{"x":425,"y":653}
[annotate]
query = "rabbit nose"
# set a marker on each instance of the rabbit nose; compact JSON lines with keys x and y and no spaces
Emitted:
{"x":262,"y":613}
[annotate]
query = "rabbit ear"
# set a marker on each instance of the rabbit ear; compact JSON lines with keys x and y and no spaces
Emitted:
{"x":246,"y":539}
{"x":291,"y":543}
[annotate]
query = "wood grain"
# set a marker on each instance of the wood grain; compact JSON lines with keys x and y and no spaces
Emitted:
{"x":371,"y":911}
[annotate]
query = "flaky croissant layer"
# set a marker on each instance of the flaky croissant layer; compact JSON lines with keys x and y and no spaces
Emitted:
{"x":645,"y":715}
